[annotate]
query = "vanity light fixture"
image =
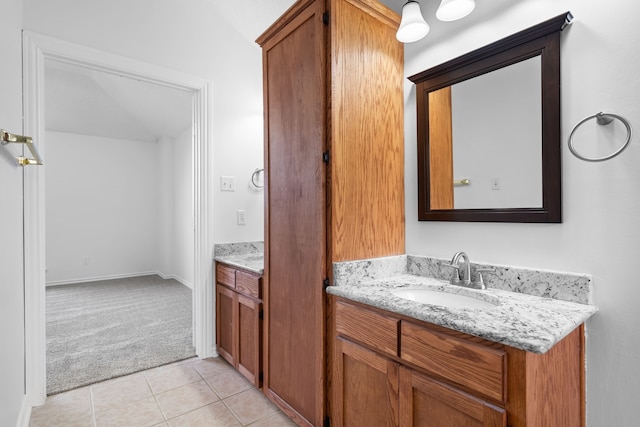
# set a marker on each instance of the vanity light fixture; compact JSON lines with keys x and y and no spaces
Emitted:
{"x":413,"y":27}
{"x":452,"y":10}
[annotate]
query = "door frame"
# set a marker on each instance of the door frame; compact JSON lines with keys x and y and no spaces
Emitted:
{"x":36,"y":49}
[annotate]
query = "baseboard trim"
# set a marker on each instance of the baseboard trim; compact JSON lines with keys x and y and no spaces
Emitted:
{"x":25,"y":413}
{"x":176,"y":278}
{"x":110,"y":277}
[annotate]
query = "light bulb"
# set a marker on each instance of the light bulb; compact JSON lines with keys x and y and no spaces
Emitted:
{"x":413,"y":27}
{"x":451,"y":10}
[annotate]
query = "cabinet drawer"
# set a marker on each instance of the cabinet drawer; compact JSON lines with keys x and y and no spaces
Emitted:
{"x":469,"y":364}
{"x":249,"y":284}
{"x":367,"y":327}
{"x":225,"y":275}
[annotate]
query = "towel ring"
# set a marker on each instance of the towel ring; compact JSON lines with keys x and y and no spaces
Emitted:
{"x":601,"y":119}
{"x":254,"y":176}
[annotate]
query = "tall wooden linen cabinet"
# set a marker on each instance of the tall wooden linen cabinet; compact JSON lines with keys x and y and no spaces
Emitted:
{"x":334,"y":183}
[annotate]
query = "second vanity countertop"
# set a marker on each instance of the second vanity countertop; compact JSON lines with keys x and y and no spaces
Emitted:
{"x":253,"y":262}
{"x":526,"y":322}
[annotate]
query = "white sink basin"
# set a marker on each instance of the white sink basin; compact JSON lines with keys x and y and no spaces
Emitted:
{"x":444,"y":299}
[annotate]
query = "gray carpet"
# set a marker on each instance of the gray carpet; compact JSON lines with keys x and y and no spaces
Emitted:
{"x":106,"y":329}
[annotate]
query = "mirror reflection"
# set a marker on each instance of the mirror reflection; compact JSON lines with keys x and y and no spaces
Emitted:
{"x":485,"y":138}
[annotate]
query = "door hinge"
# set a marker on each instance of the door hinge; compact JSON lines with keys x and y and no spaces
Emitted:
{"x":325,"y":283}
{"x":325,"y":18}
{"x":325,"y":157}
{"x":327,"y":422}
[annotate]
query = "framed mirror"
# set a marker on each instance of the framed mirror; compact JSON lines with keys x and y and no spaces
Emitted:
{"x":489,"y":146}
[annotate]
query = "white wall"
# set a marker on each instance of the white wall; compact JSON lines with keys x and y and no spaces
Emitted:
{"x":102,"y":203}
{"x":128,"y":210}
{"x":601,"y":225}
{"x":182,"y":242}
{"x":11,"y":260}
{"x":188,"y":37}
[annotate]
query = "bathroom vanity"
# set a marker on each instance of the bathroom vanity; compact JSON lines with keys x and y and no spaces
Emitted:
{"x":239,"y":313}
{"x":410,"y":373}
{"x":518,"y":361}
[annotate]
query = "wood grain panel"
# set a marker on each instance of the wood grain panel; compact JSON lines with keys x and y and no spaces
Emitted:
{"x":249,"y":284}
{"x":366,"y":389}
{"x":249,"y":355}
{"x":429,"y":403}
{"x":226,"y":325}
{"x":440,"y":149}
{"x":367,"y":135}
{"x":368,"y":327}
{"x":295,"y":239}
{"x":471,"y":365}
{"x":225,"y":275}
{"x":548,"y":389}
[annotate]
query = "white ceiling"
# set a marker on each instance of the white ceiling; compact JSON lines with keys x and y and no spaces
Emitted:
{"x":88,"y":102}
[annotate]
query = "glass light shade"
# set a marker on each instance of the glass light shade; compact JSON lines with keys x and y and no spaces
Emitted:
{"x":451,"y":10}
{"x":413,"y":27}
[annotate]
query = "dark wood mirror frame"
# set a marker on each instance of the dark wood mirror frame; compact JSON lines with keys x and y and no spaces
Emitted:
{"x":542,"y":40}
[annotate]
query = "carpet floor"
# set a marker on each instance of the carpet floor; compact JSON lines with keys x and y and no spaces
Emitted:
{"x":102,"y":330}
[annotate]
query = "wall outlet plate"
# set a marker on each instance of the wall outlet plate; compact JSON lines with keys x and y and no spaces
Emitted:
{"x":227,"y":183}
{"x":241,"y":217}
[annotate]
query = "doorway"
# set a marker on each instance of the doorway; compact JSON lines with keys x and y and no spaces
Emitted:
{"x":37,"y":50}
{"x":118,"y":225}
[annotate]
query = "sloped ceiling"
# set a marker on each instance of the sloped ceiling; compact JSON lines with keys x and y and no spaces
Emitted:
{"x":250,"y":17}
{"x":88,"y":102}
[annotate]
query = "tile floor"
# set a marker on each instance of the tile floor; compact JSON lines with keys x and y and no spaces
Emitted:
{"x":190,"y":393}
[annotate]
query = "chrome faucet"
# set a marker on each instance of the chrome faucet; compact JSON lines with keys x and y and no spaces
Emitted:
{"x":460,"y":277}
{"x":462,"y":274}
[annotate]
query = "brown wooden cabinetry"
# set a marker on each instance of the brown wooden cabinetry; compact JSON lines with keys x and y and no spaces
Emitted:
{"x":430,"y":403}
{"x":369,"y":384}
{"x":437,"y":377}
{"x":238,"y":320}
{"x":334,"y":177}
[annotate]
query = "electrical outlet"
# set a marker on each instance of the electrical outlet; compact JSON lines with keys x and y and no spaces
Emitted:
{"x":85,"y":260}
{"x":241,"y":217}
{"x":495,"y":183}
{"x":227,"y":183}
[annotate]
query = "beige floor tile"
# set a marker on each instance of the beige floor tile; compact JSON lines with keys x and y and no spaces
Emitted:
{"x":110,"y":394}
{"x":172,"y":365}
{"x":276,"y":420}
{"x":70,"y":408}
{"x":214,"y":415}
{"x":249,"y":406}
{"x":228,"y":383}
{"x":142,"y":413}
{"x":211,"y":367}
{"x":166,"y":379}
{"x":185,"y":399}
{"x":61,"y":420}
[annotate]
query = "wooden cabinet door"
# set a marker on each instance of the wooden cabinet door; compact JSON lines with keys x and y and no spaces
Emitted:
{"x":365,"y":387}
{"x":249,"y":354}
{"x":425,"y":402}
{"x":295,"y":237}
{"x":226,"y":323}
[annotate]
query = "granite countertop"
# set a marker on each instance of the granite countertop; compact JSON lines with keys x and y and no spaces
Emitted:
{"x":253,"y":262}
{"x":527,"y":322}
